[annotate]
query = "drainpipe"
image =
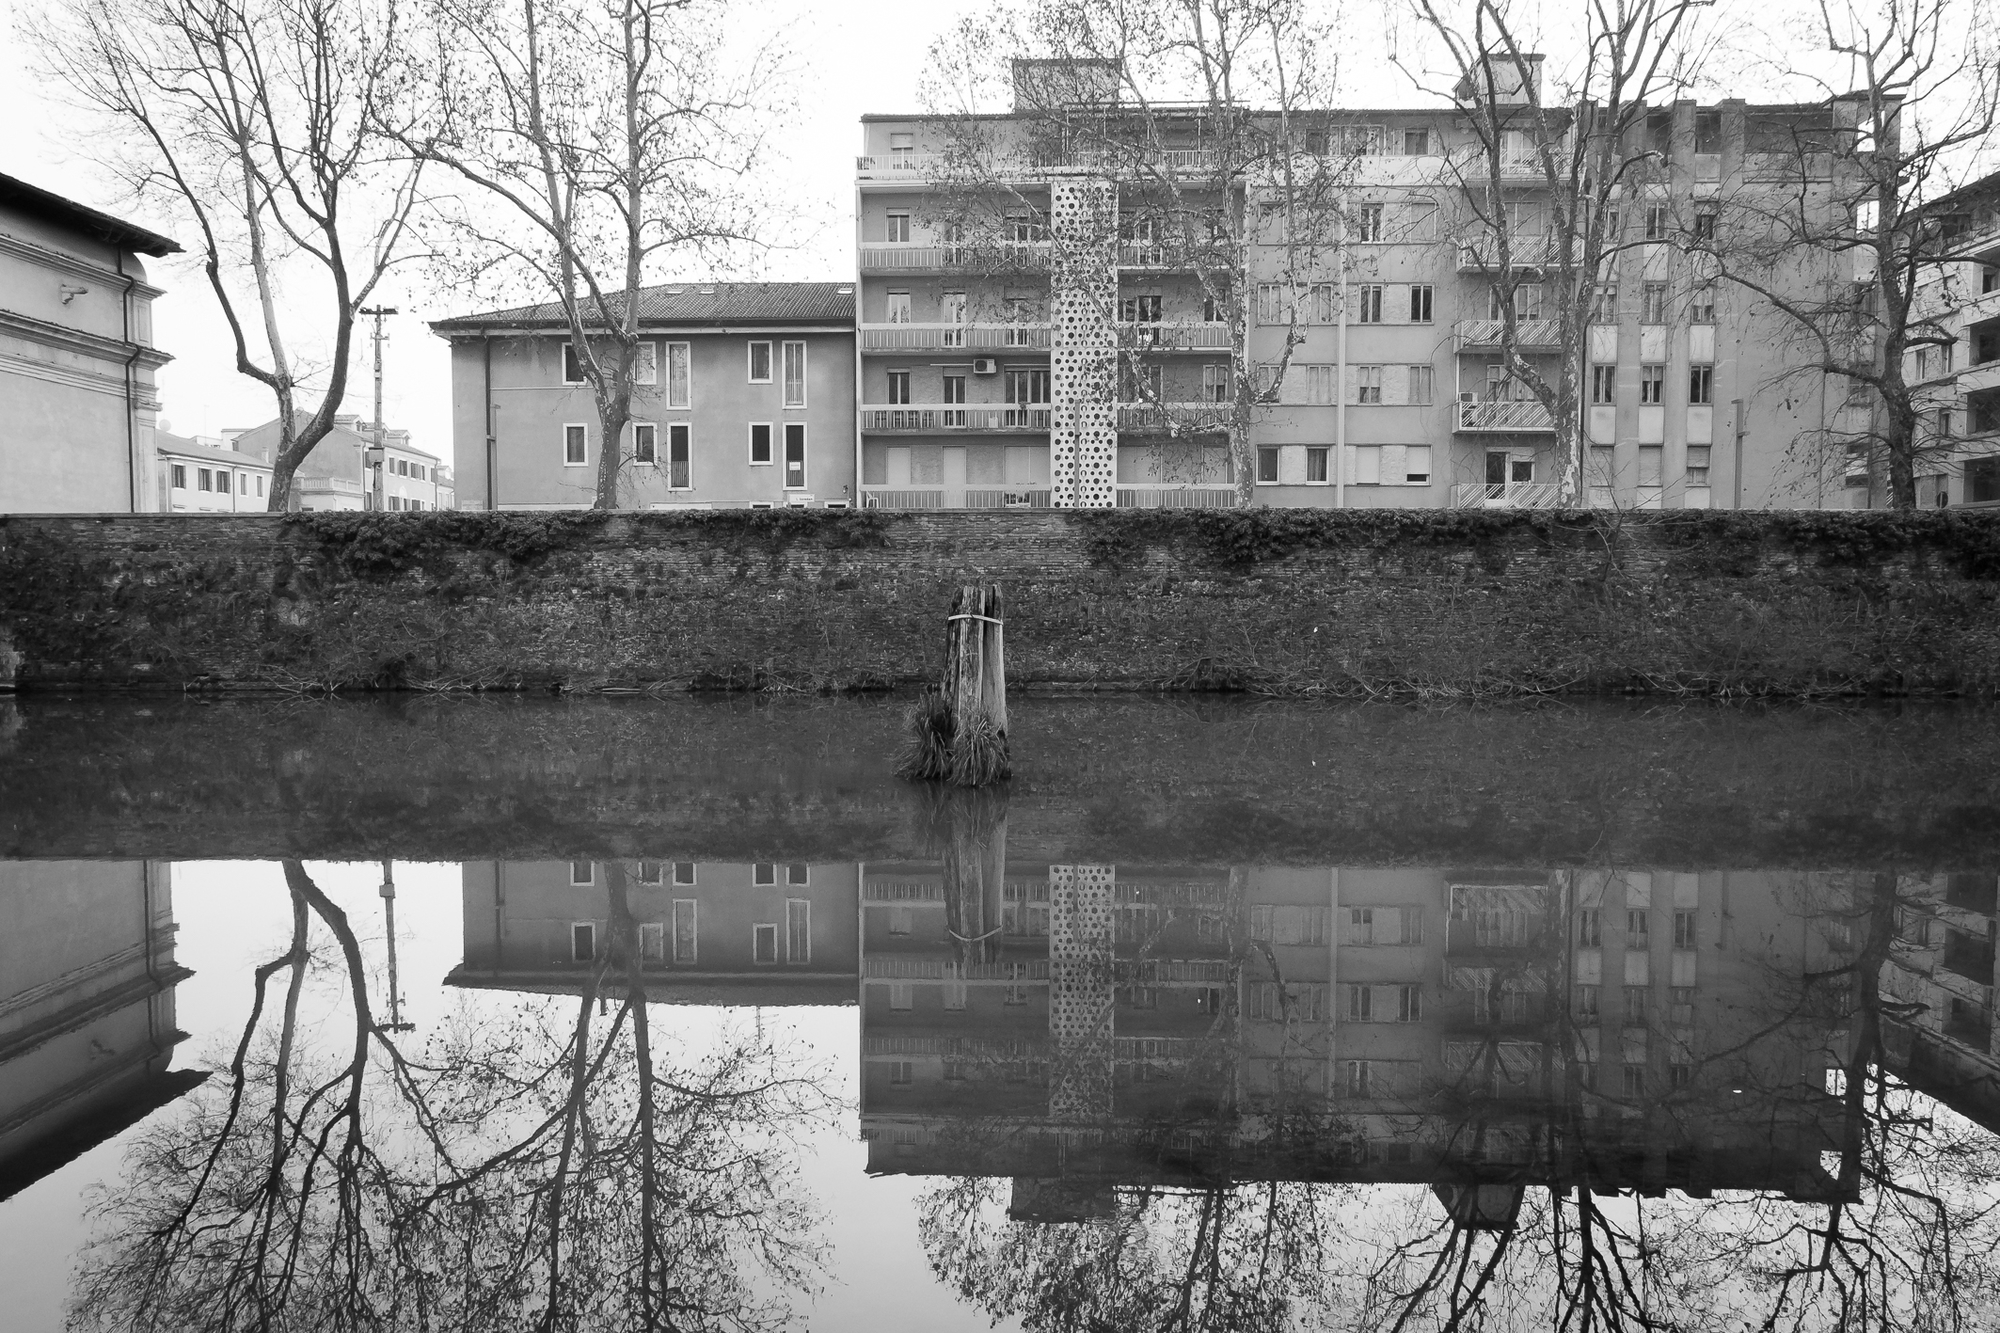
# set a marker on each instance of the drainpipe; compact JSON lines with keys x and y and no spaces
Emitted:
{"x":486,"y":405}
{"x":131,"y":426}
{"x":1736,"y":455}
{"x":1340,"y":375}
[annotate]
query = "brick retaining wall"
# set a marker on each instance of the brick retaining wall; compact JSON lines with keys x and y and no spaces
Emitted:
{"x":1306,"y":602}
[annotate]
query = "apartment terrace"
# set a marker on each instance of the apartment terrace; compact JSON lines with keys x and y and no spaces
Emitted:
{"x":1130,"y":495}
{"x":1487,"y":335}
{"x":902,"y":337}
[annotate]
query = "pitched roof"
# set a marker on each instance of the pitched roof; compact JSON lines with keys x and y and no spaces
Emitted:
{"x":690,"y":303}
{"x":190,"y":448}
{"x":50,"y":207}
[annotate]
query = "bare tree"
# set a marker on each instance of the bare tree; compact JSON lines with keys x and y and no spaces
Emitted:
{"x":1865,"y":228}
{"x":1205,"y":122}
{"x":601,"y":143}
{"x":256,"y":118}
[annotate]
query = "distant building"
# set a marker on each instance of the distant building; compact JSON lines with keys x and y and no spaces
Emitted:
{"x":747,"y":399}
{"x":336,"y":475}
{"x":708,"y":932}
{"x":196,"y":476}
{"x":87,"y":1030}
{"x":77,"y":400}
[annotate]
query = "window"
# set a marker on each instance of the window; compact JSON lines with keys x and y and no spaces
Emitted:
{"x":952,"y":312}
{"x":1368,"y":384}
{"x":685,"y":934}
{"x":1603,"y":384}
{"x":1357,"y":1078}
{"x":1316,"y":456}
{"x":1636,"y":925}
{"x":795,"y":455}
{"x":798,"y":930}
{"x":1635,"y":1004}
{"x":1526,"y":299}
{"x":1704,"y":224}
{"x":1421,"y":295}
{"x":1701,"y":306}
{"x":260,"y":485}
{"x":764,"y":872}
{"x":572,"y":367}
{"x":1604,"y":304}
{"x":1701,"y":384}
{"x":1590,"y":928}
{"x":953,"y":236}
{"x":1656,"y":222}
{"x":645,"y":368}
{"x":1272,"y":305}
{"x":1652,"y":380}
{"x":760,"y":444}
{"x":1409,"y":1004}
{"x":901,"y":919}
{"x":1680,"y":1006}
{"x":1653,"y":303}
{"x":899,"y":228}
{"x":1267,"y":466}
{"x":1360,"y":1004}
{"x":1586,"y":1002}
{"x":679,"y":473}
{"x":653,"y":941}
{"x":1368,"y":223}
{"x":1419,"y":386}
{"x":1684,"y":930}
{"x":1319,"y":385}
{"x":901,"y":995}
{"x":1140,"y":309}
{"x":1680,"y":1075}
{"x":901,"y":1071}
{"x":582,"y":872}
{"x":1416,"y":143}
{"x":899,"y":387}
{"x":180,"y":476}
{"x":795,"y":374}
{"x":1215,"y":383}
{"x":649,"y":872}
{"x":764,"y":944}
{"x":205,"y":480}
{"x":760,"y":363}
{"x":645,"y":443}
{"x":902,"y":147}
{"x":1369,"y":306}
{"x":582,"y":941}
{"x":680,"y":375}
{"x":1697,"y":465}
{"x":243,"y":483}
{"x":1635,"y":1081}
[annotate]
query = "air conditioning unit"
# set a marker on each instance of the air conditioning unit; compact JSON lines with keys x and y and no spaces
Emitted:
{"x":1468,"y":398}
{"x":985,"y":365}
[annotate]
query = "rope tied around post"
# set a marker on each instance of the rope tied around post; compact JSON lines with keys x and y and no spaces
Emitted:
{"x":958,"y":732}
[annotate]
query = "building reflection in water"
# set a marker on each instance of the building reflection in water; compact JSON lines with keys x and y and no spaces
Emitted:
{"x":87,"y":1035}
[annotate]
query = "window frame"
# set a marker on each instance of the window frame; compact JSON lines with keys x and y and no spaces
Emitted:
{"x":571,"y":360}
{"x":1603,"y":383}
{"x":584,"y":930}
{"x":1368,"y":304}
{"x":693,"y":932}
{"x":770,"y":457}
{"x":757,"y":937}
{"x":1269,"y":451}
{"x":802,"y":908}
{"x":646,"y":357}
{"x":804,"y":482}
{"x":177,"y":476}
{"x":784,"y":355}
{"x":584,"y":428}
{"x":1423,"y":296}
{"x":686,"y":403}
{"x":1701,"y":385}
{"x":750,"y":361}
{"x":1652,"y":384}
{"x":651,"y":429}
{"x":589,"y":875}
{"x":685,"y":429}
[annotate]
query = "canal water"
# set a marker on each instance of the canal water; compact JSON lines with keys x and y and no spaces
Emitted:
{"x":1222,"y":1015}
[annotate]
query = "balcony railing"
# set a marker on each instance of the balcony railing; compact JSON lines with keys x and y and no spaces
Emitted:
{"x":1165,"y":416}
{"x":1180,"y":336}
{"x":1485,"y":333}
{"x":894,"y":257}
{"x":1483,"y":254}
{"x":952,"y":337}
{"x":1506,"y":495}
{"x":1504,"y":415}
{"x":954,"y":497}
{"x":955,"y":417}
{"x":1137,"y":163}
{"x":1172,"y":495}
{"x":1476,"y":168}
{"x":899,"y":166}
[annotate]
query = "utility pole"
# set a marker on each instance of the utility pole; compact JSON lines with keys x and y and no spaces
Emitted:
{"x":378,"y":314}
{"x":395,"y":1023}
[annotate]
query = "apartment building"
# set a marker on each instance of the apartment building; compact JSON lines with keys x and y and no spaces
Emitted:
{"x":87,"y":1031}
{"x":1036,"y":329}
{"x":745,"y":400}
{"x":1955,"y":385}
{"x":1940,"y":973}
{"x":748,"y":933}
{"x":344,"y":472}
{"x":77,"y":358}
{"x":204,"y":476}
{"x":1474,"y":1029}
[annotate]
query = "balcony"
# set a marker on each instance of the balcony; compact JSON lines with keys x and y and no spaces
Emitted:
{"x":1506,"y":495}
{"x":953,"y":337}
{"x":1182,"y":336}
{"x":1520,"y":170}
{"x":913,"y":167}
{"x":1023,"y":256}
{"x":1166,"y":418}
{"x":1506,"y":415}
{"x":955,"y":497}
{"x":1168,"y":495}
{"x":1483,"y":255}
{"x":1488,"y":334}
{"x":1137,"y":163}
{"x":925,"y":418}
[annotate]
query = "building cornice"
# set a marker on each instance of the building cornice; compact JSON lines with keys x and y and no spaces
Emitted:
{"x":82,"y":268}
{"x":647,"y":331}
{"x":76,"y":340}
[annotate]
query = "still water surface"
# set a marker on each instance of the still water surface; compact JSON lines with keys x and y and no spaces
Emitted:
{"x":1223,"y":1016}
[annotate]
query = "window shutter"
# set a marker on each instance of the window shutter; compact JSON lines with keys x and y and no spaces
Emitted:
{"x":1394,"y":458}
{"x":1396,"y":385}
{"x":1367,"y":464}
{"x":1348,"y":390}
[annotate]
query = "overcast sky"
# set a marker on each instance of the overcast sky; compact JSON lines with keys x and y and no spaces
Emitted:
{"x":851,"y":56}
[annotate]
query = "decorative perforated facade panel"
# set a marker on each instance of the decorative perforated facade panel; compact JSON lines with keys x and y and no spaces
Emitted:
{"x":1083,"y":347}
{"x":1080,"y":991}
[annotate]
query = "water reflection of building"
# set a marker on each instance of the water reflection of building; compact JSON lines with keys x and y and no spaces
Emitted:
{"x":1939,"y":984}
{"x":708,"y":932}
{"x":87,"y":1016}
{"x":1093,"y":1025}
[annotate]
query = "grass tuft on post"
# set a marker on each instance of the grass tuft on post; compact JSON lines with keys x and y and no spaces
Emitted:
{"x":958,"y":733}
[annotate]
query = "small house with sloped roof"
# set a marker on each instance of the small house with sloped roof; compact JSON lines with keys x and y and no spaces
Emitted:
{"x":745,"y":400}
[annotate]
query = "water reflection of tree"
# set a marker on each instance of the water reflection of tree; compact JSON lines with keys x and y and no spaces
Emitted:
{"x":527,"y":1172}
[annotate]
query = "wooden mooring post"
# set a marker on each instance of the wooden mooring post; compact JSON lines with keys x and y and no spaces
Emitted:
{"x":958,"y":732}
